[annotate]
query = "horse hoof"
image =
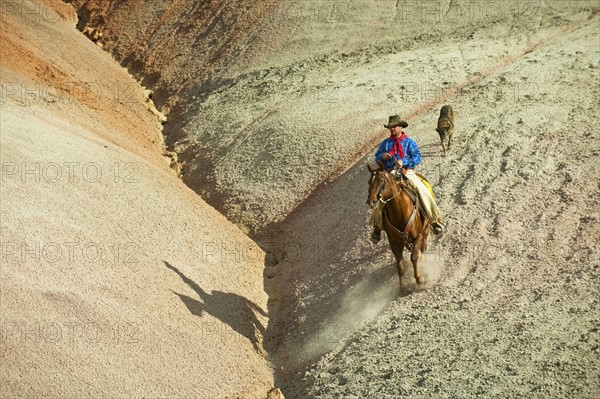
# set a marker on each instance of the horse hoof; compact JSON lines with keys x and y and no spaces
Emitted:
{"x":419,"y":280}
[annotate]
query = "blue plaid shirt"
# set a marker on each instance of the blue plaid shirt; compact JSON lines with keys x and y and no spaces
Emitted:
{"x":412,"y":155}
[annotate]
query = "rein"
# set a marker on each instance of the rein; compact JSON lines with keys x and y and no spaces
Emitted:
{"x":389,"y":199}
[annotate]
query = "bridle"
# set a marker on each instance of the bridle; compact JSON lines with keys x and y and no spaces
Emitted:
{"x":379,"y":194}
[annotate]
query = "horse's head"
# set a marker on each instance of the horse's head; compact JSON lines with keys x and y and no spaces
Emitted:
{"x":380,"y":187}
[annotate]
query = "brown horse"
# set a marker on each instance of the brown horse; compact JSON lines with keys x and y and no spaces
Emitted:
{"x":402,"y":221}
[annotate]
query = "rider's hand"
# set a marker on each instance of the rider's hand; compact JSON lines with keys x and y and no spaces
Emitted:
{"x":386,"y":156}
{"x":399,"y":163}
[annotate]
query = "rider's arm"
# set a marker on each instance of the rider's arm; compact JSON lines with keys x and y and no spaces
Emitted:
{"x":412,"y":155}
{"x":381,"y":151}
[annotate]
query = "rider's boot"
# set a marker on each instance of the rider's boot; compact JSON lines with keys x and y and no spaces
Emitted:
{"x":438,"y":228}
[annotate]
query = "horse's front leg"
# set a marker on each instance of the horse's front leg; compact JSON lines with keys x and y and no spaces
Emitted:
{"x":414,"y":257}
{"x":398,"y":249}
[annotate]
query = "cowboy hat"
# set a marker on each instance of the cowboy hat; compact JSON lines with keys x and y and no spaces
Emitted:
{"x":395,"y":121}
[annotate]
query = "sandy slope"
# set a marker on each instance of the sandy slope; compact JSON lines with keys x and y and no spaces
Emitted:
{"x":116,"y":279}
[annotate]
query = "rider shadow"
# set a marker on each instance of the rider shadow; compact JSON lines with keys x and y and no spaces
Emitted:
{"x":234,"y":310}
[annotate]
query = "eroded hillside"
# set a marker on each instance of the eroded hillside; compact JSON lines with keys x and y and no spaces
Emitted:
{"x":280,"y":96}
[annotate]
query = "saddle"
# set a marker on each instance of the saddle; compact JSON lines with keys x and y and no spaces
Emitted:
{"x":400,"y":177}
{"x":407,"y":186}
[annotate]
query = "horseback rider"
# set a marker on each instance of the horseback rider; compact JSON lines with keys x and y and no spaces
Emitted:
{"x":401,"y":151}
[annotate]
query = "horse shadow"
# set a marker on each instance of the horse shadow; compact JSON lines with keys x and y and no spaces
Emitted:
{"x":236,"y":311}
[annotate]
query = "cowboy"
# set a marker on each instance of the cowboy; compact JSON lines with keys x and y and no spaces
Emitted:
{"x":401,"y":151}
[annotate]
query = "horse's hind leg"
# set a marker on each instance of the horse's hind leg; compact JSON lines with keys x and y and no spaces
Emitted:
{"x":414,"y":257}
{"x":398,"y":253}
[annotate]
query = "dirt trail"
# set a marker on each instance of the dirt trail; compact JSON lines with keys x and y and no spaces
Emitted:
{"x":328,"y":282}
{"x":521,"y":263}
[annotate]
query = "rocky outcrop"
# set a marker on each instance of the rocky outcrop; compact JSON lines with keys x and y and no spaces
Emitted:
{"x":173,"y":45}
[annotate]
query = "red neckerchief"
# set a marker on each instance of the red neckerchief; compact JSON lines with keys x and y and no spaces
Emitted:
{"x":397,"y":148}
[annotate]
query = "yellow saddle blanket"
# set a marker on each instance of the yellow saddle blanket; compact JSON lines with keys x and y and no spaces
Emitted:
{"x":426,"y":183}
